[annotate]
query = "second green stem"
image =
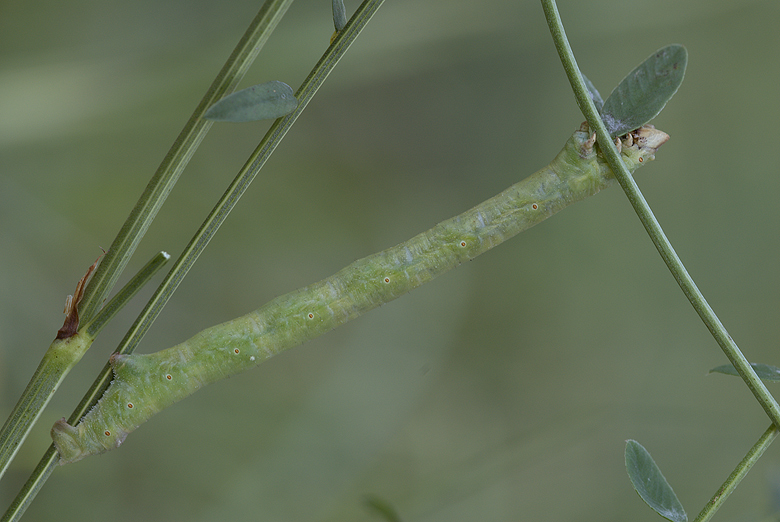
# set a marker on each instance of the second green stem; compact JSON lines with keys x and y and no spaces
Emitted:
{"x":649,"y":221}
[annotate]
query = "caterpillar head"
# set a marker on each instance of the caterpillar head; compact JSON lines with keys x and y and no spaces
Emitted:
{"x":640,"y":144}
{"x":637,"y":146}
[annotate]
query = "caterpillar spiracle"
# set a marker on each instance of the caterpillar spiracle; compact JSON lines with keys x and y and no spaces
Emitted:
{"x":145,"y":384}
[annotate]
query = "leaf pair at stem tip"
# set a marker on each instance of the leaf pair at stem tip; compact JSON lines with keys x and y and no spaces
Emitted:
{"x":644,"y":92}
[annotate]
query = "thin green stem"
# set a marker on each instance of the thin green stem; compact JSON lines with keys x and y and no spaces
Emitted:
{"x":37,"y":479}
{"x":58,"y":360}
{"x":648,"y":220}
{"x":176,"y":160}
{"x":128,"y":238}
{"x":128,"y":291}
{"x":738,"y":474}
{"x":198,"y":243}
{"x":247,"y":174}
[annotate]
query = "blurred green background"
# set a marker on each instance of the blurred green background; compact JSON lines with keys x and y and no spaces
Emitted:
{"x":502,"y":391}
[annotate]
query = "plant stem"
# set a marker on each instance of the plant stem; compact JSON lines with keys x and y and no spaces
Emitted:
{"x":738,"y":474}
{"x":132,"y":287}
{"x":176,"y":159}
{"x":649,"y":221}
{"x":201,"y":239}
{"x":247,"y":174}
{"x":33,"y":485}
{"x":110,"y":268}
{"x":59,"y":359}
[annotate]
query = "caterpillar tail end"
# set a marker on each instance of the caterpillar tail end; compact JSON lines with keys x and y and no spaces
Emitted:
{"x":72,"y":444}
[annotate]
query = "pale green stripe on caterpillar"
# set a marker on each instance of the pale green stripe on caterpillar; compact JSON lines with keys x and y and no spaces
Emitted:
{"x":145,"y":384}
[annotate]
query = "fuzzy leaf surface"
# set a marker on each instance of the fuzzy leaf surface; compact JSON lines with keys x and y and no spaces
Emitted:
{"x":595,"y":95}
{"x":264,"y":101}
{"x":644,"y":92}
{"x":650,"y":483}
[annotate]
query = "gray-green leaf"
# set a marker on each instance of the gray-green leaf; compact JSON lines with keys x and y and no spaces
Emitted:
{"x":259,"y":102}
{"x":644,"y":92}
{"x":339,"y":15}
{"x":650,"y":483}
{"x":765,"y":372}
{"x":594,"y":94}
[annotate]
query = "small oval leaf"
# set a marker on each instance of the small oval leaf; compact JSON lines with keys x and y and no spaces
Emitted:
{"x":765,"y":372}
{"x":641,"y":95}
{"x":264,"y":101}
{"x":594,"y":94}
{"x":650,"y":483}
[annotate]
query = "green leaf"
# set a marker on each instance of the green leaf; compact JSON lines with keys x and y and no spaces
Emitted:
{"x":650,"y":483}
{"x":594,"y":94}
{"x":260,"y":102}
{"x":644,"y":92}
{"x":339,"y":15}
{"x":765,"y":372}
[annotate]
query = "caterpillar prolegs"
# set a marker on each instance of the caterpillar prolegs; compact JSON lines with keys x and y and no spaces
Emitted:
{"x":145,"y":384}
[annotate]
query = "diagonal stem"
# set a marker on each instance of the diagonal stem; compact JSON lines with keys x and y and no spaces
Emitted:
{"x":278,"y":130}
{"x":738,"y":474}
{"x":653,"y":228}
{"x":146,"y":208}
{"x":247,"y":174}
{"x":176,"y":159}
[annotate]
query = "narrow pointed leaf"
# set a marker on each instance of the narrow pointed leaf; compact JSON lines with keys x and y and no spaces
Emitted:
{"x":339,"y":15}
{"x":598,"y":101}
{"x":260,"y":102}
{"x":650,"y":483}
{"x":765,"y":372}
{"x":642,"y":94}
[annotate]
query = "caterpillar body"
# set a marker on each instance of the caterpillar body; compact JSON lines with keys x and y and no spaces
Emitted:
{"x":145,"y":384}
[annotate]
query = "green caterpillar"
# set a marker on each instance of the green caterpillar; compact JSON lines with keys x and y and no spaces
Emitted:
{"x":145,"y":384}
